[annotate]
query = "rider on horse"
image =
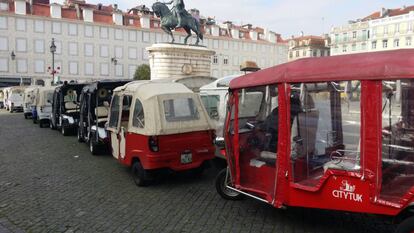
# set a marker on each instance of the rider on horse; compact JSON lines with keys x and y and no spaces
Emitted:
{"x":178,"y":10}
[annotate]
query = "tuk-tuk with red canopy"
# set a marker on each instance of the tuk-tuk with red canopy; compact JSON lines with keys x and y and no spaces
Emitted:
{"x":329,"y":133}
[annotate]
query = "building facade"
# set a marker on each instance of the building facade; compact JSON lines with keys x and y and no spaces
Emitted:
{"x":96,"y":41}
{"x":308,"y":46}
{"x":386,"y":29}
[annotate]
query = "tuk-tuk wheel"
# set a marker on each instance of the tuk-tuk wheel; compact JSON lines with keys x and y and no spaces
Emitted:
{"x":80,"y":139}
{"x":51,"y":125}
{"x":407,"y":226}
{"x":223,"y":191}
{"x":93,"y":147}
{"x":140,"y":175}
{"x":25,"y":116}
{"x":64,"y":131}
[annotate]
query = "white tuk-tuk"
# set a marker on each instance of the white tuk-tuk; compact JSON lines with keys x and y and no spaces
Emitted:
{"x":29,"y":99}
{"x":15,"y":96}
{"x":43,"y":106}
{"x":159,"y":125}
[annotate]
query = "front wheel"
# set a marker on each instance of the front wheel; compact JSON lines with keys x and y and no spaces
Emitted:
{"x":222,"y":190}
{"x":80,"y":138}
{"x":64,"y":131}
{"x":93,"y":146}
{"x":140,"y":175}
{"x":407,"y":226}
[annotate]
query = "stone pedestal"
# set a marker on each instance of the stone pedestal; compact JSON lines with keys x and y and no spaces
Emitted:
{"x":177,"y":61}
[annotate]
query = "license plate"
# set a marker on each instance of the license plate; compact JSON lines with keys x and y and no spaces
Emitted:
{"x":186,"y":158}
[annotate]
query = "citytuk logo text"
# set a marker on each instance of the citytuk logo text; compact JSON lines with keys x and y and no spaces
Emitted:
{"x":347,"y":192}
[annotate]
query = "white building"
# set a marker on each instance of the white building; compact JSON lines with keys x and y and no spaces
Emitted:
{"x":308,"y":46}
{"x":96,"y":41}
{"x":383,"y":30}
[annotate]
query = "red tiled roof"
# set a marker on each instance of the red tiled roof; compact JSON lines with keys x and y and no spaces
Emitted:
{"x":390,"y":12}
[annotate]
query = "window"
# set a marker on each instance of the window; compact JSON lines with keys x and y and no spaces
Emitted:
{"x":211,"y":103}
{"x":132,"y":36}
{"x":73,"y":48}
{"x":344,"y":48}
{"x":397,"y":132}
{"x":236,"y":61}
{"x":104,"y":51}
{"x":4,"y":64}
{"x":39,"y":26}
{"x":73,"y":68}
{"x":89,"y":68}
{"x":139,"y":118}
{"x":39,"y":66}
{"x":144,"y":54}
{"x":374,"y":45}
{"x":4,"y":44}
{"x":104,"y":69}
{"x":114,"y":112}
{"x":3,"y":22}
{"x":235,"y":45}
{"x":72,"y":29}
{"x":215,"y":44}
{"x":89,"y":50}
{"x":180,"y":109}
{"x":322,"y":137}
{"x":353,"y":47}
{"x":385,"y":44}
{"x":364,"y":34}
{"x":408,"y":41}
{"x":56,"y":28}
{"x":119,"y":52}
{"x":131,"y":71}
{"x":119,"y":70}
{"x":88,"y":31}
{"x":21,"y":66}
{"x":21,"y":45}
{"x":103,"y":32}
{"x":58,"y":47}
{"x":345,"y":37}
{"x":39,"y":46}
{"x":4,"y":6}
{"x":363,"y":46}
{"x":119,"y":34}
{"x":304,"y":53}
{"x":132,"y":53}
{"x":290,"y":54}
{"x":226,"y":60}
{"x":20,"y":25}
{"x":386,"y":30}
{"x":297,"y":54}
{"x":225,"y":44}
{"x":315,"y":53}
{"x":397,"y":28}
{"x":396,"y":43}
{"x":215,"y":59}
{"x":354,"y":35}
{"x":145,"y":37}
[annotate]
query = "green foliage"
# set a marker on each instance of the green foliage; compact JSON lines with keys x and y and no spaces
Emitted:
{"x":143,"y":72}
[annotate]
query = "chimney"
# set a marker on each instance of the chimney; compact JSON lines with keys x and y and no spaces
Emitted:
{"x":383,"y":12}
{"x":20,"y":7}
{"x":78,"y":13}
{"x":215,"y":30}
{"x":117,"y":16}
{"x":87,"y":15}
{"x":145,"y":21}
{"x":270,"y":36}
{"x":55,"y":11}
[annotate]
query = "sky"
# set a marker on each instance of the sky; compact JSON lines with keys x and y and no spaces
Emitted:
{"x":288,"y":17}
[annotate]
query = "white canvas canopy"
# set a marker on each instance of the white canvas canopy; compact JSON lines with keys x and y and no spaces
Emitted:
{"x":30,"y":94}
{"x":157,"y":99}
{"x":44,"y":93}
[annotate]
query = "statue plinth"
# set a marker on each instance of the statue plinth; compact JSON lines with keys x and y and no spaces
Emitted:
{"x":176,"y":61}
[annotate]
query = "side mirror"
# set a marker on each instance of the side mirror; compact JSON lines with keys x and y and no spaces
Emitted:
{"x":106,"y":104}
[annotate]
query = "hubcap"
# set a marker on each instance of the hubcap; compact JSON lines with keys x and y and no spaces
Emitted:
{"x":226,"y":190}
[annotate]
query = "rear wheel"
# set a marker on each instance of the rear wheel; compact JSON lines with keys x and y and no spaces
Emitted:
{"x":51,"y":125}
{"x":93,"y":146}
{"x":41,"y":123}
{"x":140,"y":175}
{"x":25,"y":116}
{"x":407,"y":226}
{"x":64,"y":131}
{"x":223,"y":191}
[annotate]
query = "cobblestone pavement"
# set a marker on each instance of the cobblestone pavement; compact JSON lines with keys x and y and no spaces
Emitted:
{"x":50,"y":183}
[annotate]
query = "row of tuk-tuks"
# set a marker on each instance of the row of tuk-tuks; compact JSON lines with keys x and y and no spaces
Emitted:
{"x":332,"y":133}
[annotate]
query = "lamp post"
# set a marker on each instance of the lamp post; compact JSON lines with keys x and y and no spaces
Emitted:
{"x":53,"y":51}
{"x":13,"y":57}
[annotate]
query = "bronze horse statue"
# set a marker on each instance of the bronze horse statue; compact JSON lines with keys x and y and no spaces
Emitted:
{"x":169,"y":22}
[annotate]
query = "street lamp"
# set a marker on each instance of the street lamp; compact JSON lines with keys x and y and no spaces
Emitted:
{"x":115,"y":62}
{"x":13,"y":55}
{"x":53,"y":51}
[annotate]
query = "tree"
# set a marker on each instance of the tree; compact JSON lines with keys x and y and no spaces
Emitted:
{"x":143,"y":72}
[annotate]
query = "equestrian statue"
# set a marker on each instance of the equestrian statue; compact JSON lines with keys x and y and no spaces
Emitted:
{"x":175,"y":18}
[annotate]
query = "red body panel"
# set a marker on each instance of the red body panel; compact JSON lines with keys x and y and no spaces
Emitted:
{"x":171,"y":148}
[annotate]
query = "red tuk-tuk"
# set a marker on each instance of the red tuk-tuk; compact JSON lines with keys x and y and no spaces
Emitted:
{"x":329,"y":133}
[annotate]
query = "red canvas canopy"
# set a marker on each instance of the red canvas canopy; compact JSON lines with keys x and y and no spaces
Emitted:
{"x":363,"y":66}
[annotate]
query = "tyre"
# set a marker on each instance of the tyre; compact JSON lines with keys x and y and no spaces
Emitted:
{"x":93,"y":147}
{"x":140,"y":175}
{"x":64,"y":131}
{"x":407,"y":226}
{"x":41,"y":124}
{"x":25,"y":116}
{"x":51,"y":126}
{"x":80,"y":138}
{"x":11,"y":110}
{"x":223,"y":191}
{"x":198,"y":172}
{"x":34,"y":120}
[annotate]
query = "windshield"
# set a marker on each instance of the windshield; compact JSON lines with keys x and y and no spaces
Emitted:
{"x":180,"y":109}
{"x":48,"y":98}
{"x":16,"y":96}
